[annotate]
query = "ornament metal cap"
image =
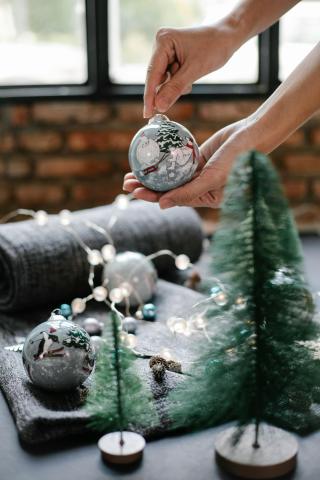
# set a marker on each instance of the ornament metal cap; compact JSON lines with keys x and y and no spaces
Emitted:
{"x":158,"y":118}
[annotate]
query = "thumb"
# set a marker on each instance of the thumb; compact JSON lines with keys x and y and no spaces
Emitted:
{"x":171,"y":90}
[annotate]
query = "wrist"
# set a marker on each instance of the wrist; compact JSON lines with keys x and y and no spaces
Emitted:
{"x":235,"y":30}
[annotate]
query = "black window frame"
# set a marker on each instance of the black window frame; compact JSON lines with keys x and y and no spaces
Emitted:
{"x":99,"y":85}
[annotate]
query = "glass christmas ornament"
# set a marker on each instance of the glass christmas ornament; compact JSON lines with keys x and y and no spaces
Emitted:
{"x":57,"y":354}
{"x":92,"y":326}
{"x":149,"y":311}
{"x":163,"y":154}
{"x":135,"y":272}
{"x":66,"y":310}
{"x":129,"y":325}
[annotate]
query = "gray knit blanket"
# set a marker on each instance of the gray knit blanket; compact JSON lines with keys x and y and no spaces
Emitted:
{"x":47,"y":416}
{"x":46,"y":265}
{"x":41,"y":267}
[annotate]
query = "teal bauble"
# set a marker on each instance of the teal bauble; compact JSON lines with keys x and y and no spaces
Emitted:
{"x":163,"y":155}
{"x":57,"y":354}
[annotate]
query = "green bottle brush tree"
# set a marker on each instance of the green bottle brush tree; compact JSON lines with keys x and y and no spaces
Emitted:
{"x":118,"y":399}
{"x":258,"y":364}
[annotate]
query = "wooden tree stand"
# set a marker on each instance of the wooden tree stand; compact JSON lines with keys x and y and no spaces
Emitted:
{"x":129,"y":452}
{"x":275,"y":456}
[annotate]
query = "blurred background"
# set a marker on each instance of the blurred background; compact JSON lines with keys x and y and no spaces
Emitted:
{"x":71,"y":84}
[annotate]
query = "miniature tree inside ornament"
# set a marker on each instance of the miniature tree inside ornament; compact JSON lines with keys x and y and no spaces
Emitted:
{"x":57,"y":354}
{"x":163,"y":155}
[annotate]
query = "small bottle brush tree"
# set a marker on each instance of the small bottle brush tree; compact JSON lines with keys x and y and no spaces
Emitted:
{"x":118,"y":399}
{"x":256,"y":366}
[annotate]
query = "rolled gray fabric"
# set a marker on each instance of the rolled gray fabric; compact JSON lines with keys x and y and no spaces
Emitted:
{"x":46,"y":265}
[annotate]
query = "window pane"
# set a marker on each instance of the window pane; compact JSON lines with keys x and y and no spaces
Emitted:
{"x":133,"y":24}
{"x":42,"y":42}
{"x":299,"y":33}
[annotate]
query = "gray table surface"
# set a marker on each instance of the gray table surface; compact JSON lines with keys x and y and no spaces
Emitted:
{"x":185,"y":457}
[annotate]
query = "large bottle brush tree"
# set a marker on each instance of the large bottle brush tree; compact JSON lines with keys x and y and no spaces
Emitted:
{"x":259,"y":365}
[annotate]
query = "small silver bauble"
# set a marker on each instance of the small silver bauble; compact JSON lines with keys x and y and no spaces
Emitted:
{"x":57,"y":354}
{"x":92,"y":326}
{"x":163,"y":155}
{"x":130,"y":269}
{"x":129,"y":325}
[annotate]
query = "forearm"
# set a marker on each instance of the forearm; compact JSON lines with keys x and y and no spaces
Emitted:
{"x":251,"y":17}
{"x":296,"y":100}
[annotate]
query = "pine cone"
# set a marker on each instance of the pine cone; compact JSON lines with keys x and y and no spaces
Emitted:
{"x":174,"y":366}
{"x":159,"y":371}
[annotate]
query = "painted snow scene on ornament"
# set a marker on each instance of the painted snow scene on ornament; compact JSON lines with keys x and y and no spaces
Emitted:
{"x":163,"y":155}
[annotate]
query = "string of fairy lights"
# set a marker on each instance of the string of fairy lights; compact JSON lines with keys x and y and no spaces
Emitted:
{"x":196,"y":319}
{"x":177,"y":325}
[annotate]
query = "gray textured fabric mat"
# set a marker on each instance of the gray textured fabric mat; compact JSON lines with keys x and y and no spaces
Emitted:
{"x":41,"y":265}
{"x":43,"y":416}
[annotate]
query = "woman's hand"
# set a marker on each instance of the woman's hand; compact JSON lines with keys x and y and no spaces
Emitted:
{"x":217,"y":155}
{"x":187,"y":54}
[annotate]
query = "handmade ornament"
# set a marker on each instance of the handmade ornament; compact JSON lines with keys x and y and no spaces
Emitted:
{"x":57,"y":354}
{"x":131,"y":278}
{"x":163,"y":155}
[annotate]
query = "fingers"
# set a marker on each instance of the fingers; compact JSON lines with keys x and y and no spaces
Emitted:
{"x":142,"y":193}
{"x":162,"y":58}
{"x":169,"y":93}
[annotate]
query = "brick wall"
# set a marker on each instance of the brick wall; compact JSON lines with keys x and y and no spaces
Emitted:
{"x":72,"y":155}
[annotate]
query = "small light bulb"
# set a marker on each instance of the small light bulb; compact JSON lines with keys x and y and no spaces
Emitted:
{"x":177,"y":325}
{"x":240,"y":303}
{"x":166,"y":354}
{"x":139,"y":314}
{"x":41,"y":217}
{"x":116,"y":295}
{"x":100,"y":294}
{"x":128,"y":339}
{"x":126,"y":289}
{"x":221,"y":299}
{"x":65,"y":217}
{"x":108,"y":252}
{"x":78,"y":305}
{"x":122,"y":201}
{"x":199,"y":322}
{"x":182,"y":262}
{"x":94,"y":257}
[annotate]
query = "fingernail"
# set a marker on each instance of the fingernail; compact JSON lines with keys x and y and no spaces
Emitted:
{"x":166,"y":204}
{"x":145,"y":113}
